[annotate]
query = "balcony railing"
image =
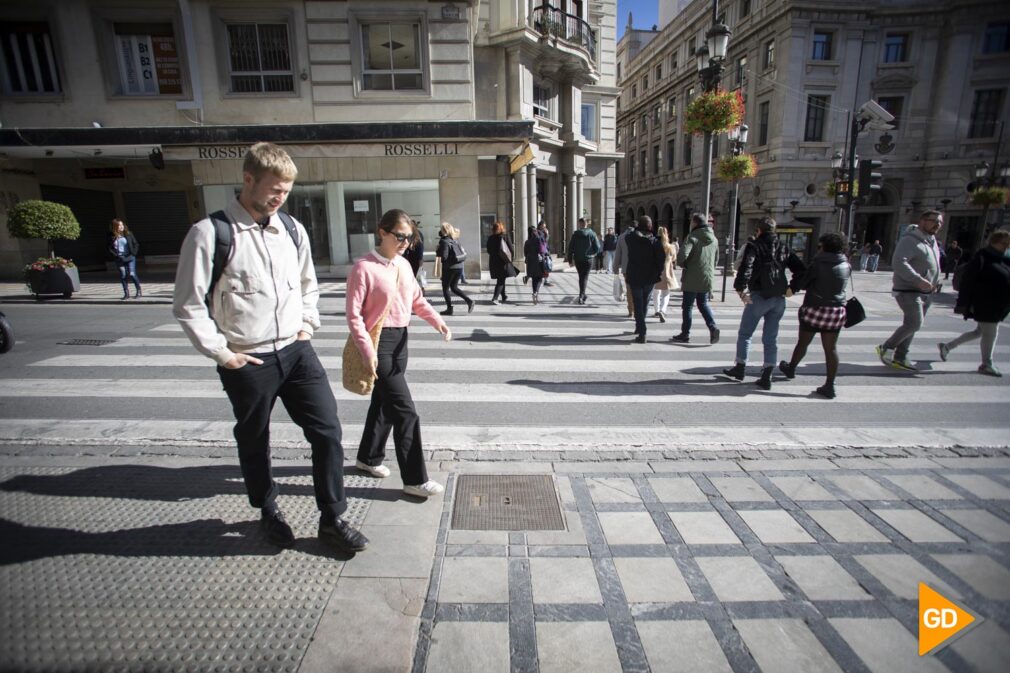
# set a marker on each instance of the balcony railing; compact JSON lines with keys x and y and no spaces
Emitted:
{"x":550,"y":20}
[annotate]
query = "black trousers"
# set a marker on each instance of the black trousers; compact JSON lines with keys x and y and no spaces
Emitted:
{"x":450,"y":282}
{"x":392,"y":409}
{"x":499,"y":289}
{"x":583,"y":269}
{"x":295,"y":375}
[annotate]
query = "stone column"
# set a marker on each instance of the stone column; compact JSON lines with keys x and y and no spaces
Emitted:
{"x":580,"y":195}
{"x":571,"y":207}
{"x":521,"y":206}
{"x":531,"y":191}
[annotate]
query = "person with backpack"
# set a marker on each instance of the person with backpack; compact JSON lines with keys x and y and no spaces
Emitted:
{"x":985,"y":298}
{"x":763,"y":288}
{"x":534,"y":257}
{"x":582,"y":248}
{"x":449,"y":258}
{"x":246,"y":296}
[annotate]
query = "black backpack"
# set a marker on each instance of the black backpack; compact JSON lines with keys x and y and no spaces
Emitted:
{"x":224,"y":243}
{"x":771,"y":272}
{"x":455,"y":254}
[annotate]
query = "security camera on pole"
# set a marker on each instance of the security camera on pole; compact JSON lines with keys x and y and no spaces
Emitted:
{"x":870,"y":116}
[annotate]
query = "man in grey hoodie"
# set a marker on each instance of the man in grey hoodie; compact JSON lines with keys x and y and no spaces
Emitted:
{"x":916,"y":264}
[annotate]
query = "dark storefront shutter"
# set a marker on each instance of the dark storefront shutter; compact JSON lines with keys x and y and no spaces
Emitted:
{"x":94,"y":209}
{"x":159,"y":220}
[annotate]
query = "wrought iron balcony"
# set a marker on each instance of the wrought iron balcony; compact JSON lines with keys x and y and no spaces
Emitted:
{"x":549,"y":20}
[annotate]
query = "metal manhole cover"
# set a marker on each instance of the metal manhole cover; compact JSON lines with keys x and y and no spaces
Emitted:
{"x":88,"y":342}
{"x":506,"y":502}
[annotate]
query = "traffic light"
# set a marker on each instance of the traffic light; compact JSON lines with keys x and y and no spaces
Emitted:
{"x":869,"y":179}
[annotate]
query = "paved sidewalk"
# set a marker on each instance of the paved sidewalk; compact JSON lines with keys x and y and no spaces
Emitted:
{"x":775,"y":564}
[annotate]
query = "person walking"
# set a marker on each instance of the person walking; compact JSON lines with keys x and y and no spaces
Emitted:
{"x":985,"y":298}
{"x":256,"y":322}
{"x":544,"y":234}
{"x":621,"y":264}
{"x":876,"y":250}
{"x":123,"y":247}
{"x":697,"y":257}
{"x":864,"y":257}
{"x":952,"y":259}
{"x":667,"y":277}
{"x":915,"y":279}
{"x":380,"y":285}
{"x":763,"y":288}
{"x":499,"y":261}
{"x":582,"y":248}
{"x":598,"y":260}
{"x":449,"y":259}
{"x":609,"y":248}
{"x":823,"y":309}
{"x":645,"y":265}
{"x":533,"y":256}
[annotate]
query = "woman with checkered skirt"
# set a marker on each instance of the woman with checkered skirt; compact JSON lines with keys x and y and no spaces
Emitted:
{"x":823,"y":309}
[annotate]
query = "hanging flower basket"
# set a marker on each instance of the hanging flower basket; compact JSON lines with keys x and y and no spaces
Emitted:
{"x":989,"y":196}
{"x":738,"y":167}
{"x":714,"y":112}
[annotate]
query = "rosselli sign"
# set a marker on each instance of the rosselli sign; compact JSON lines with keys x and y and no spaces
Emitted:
{"x":340,"y":150}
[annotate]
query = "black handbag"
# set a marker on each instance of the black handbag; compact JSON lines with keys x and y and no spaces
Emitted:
{"x":854,"y":312}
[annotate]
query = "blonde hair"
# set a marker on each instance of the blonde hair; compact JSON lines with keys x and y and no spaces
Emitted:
{"x":263,"y":158}
{"x":445,"y":229}
{"x":454,"y":233}
{"x":664,"y":239}
{"x":499,"y":227}
{"x":999,"y":236}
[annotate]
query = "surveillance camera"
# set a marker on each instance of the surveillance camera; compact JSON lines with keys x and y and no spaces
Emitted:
{"x":875,"y":117}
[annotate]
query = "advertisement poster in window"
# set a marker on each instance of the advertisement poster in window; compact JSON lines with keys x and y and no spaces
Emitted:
{"x":166,"y":63}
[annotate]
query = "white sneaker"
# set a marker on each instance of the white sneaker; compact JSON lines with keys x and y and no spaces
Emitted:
{"x":425,"y":490}
{"x":380,"y":471}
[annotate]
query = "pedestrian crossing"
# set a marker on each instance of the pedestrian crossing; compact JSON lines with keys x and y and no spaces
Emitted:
{"x":550,"y":377}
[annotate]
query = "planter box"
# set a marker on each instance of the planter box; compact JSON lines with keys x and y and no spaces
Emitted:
{"x":55,"y":281}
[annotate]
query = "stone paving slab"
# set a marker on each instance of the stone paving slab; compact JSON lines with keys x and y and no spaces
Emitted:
{"x":155,"y":564}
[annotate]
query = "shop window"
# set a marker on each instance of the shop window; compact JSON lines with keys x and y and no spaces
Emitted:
{"x":391,"y":56}
{"x":29,"y":59}
{"x":147,"y":59}
{"x":259,"y":58}
{"x":365,"y":202}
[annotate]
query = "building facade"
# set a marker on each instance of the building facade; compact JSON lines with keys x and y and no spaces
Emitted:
{"x":143,"y":110}
{"x":941,"y":68}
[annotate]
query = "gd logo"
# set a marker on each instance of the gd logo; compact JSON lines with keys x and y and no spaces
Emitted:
{"x":940,"y":619}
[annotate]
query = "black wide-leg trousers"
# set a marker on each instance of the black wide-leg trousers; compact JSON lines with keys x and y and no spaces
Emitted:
{"x":392,"y":410}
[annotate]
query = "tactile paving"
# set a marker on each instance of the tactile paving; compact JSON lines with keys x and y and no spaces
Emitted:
{"x":135,"y":568}
{"x":506,"y":502}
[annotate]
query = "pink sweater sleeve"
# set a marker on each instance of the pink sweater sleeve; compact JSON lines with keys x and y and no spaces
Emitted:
{"x":357,"y":292}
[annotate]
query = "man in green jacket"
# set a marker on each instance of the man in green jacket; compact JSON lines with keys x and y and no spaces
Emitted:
{"x":697,"y":258}
{"x":582,"y":249}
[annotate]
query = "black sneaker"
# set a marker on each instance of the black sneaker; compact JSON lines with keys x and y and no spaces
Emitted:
{"x":640,"y":339}
{"x":339,"y":534}
{"x":681,"y":338}
{"x":713,"y":335}
{"x":276,"y":528}
{"x":470,"y":306}
{"x":447,"y":311}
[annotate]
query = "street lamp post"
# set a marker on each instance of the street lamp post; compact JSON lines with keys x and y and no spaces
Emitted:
{"x":710,"y":58}
{"x":737,"y":139}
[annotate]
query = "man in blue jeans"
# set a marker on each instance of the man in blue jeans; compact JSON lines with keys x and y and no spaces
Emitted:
{"x":763,"y":287}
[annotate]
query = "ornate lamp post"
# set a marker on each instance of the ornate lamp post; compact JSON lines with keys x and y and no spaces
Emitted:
{"x":737,"y":140}
{"x":710,"y":58}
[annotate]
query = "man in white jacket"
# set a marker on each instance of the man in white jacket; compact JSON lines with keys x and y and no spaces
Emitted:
{"x":916,"y":278}
{"x":261,"y":315}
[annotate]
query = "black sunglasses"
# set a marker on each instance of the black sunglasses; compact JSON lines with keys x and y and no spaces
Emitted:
{"x":401,"y":238}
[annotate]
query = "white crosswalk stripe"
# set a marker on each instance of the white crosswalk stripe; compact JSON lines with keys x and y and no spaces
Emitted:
{"x":569,"y":372}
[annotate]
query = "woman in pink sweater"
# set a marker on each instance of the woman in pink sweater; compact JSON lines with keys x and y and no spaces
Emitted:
{"x":382,"y":279}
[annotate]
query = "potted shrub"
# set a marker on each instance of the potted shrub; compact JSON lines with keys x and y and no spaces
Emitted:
{"x":49,"y":221}
{"x":714,"y":112}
